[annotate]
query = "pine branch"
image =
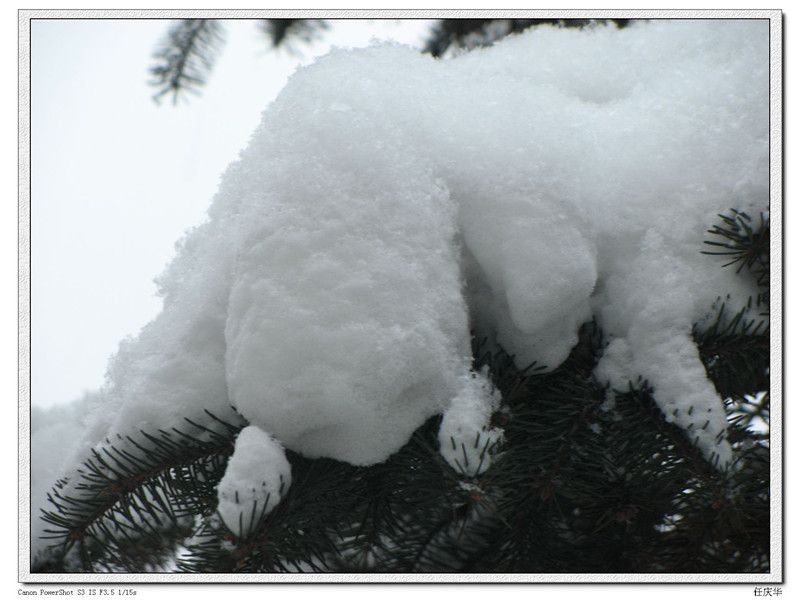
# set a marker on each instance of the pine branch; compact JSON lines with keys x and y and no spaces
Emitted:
{"x":735,"y":352}
{"x":585,"y":489}
{"x":747,"y":246}
{"x":186,"y":57}
{"x":134,"y":491}
{"x":751,"y":415}
{"x":284,"y":32}
{"x":721,"y":526}
{"x":471,"y":33}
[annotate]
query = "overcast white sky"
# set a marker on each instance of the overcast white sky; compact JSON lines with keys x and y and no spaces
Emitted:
{"x":116,"y":179}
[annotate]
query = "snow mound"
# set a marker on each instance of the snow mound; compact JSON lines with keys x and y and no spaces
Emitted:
{"x":346,"y":326}
{"x":390,"y":202}
{"x":467,"y":439}
{"x":255,"y":479}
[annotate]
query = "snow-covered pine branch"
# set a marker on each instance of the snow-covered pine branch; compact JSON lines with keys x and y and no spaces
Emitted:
{"x":515,"y":191}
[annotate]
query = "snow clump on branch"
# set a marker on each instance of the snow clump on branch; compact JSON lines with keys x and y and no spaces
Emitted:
{"x":389,"y":203}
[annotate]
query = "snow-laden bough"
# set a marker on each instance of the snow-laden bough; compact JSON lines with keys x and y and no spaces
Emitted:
{"x":389,"y":203}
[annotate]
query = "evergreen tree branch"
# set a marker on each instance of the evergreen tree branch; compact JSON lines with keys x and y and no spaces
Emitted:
{"x":735,"y":352}
{"x":747,"y":246}
{"x":450,"y":34}
{"x":282,"y":33}
{"x":186,"y":57}
{"x":135,"y":490}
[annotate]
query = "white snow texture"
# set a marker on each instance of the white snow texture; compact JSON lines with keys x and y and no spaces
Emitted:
{"x":390,"y":202}
{"x":467,"y":441}
{"x":256,"y":476}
